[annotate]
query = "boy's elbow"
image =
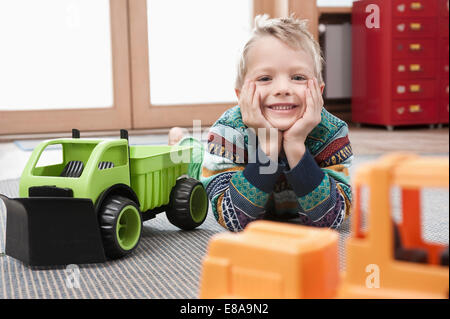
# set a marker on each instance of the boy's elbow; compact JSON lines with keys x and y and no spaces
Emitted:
{"x":229,"y":218}
{"x":230,"y":226}
{"x":333,"y":217}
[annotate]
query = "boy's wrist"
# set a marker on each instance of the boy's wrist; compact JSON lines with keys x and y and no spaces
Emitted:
{"x":263,"y":173}
{"x":305,"y":176}
{"x":294,"y":152}
{"x":271,"y":146}
{"x":271,"y":151}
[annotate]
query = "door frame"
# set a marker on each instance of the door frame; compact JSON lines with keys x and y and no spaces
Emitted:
{"x":86,"y":119}
{"x":144,"y":113}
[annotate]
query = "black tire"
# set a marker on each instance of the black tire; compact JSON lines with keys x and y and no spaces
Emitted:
{"x":118,"y":211}
{"x":188,"y":205}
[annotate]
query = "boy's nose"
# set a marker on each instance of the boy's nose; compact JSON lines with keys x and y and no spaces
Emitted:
{"x":283,"y":92}
{"x":282,"y":89}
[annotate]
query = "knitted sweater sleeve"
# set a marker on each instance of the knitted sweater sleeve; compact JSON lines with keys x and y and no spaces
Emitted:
{"x":321,"y":179}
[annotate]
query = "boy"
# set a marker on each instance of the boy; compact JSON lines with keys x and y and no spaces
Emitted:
{"x":280,"y":123}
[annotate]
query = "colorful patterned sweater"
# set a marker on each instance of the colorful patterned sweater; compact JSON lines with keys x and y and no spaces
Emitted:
{"x":317,"y":191}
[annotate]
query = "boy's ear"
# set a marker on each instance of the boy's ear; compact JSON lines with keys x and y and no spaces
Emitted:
{"x":238,"y":92}
{"x":322,"y":86}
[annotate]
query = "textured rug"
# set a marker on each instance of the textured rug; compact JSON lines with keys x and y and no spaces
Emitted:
{"x":167,"y":263}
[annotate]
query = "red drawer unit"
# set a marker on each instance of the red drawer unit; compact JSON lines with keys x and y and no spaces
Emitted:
{"x":443,"y":48}
{"x":414,"y":111}
{"x":414,"y":89}
{"x":443,"y":111}
{"x":400,"y":66}
{"x":443,"y":70}
{"x":413,"y":69}
{"x":443,"y":27}
{"x":443,"y":8}
{"x":443,"y":89}
{"x":414,"y":48}
{"x":414,"y":27}
{"x":443,"y":61}
{"x":414,"y":8}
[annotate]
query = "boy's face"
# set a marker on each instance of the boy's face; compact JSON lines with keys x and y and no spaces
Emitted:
{"x":280,"y":73}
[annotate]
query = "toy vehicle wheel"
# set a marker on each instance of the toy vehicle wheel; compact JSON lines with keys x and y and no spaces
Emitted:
{"x":120,"y":226}
{"x":188,"y":204}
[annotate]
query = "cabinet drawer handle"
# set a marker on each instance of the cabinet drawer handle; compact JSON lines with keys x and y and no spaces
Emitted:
{"x":415,"y":26}
{"x":401,"y":8}
{"x":414,"y":88}
{"x":400,"y":110}
{"x":401,"y":68}
{"x":415,"y":68}
{"x":415,"y":47}
{"x":401,"y":27}
{"x":416,"y":6}
{"x":401,"y":89}
{"x":415,"y":108}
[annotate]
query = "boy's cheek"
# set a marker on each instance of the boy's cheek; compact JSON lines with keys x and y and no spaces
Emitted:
{"x":300,"y":92}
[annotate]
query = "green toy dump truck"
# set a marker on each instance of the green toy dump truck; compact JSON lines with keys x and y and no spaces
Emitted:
{"x":91,"y":206}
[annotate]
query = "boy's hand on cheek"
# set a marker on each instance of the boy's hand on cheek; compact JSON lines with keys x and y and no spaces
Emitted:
{"x":250,"y":104}
{"x":294,"y":138}
{"x":249,"y":101}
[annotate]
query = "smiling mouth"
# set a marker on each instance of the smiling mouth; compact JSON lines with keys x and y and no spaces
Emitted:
{"x":282,"y":107}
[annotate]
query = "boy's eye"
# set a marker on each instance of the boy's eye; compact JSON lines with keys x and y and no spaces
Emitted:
{"x":298,"y":78}
{"x":264,"y":79}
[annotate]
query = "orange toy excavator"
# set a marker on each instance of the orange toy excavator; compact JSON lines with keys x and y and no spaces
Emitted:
{"x":385,"y":260}
{"x":407,"y":266}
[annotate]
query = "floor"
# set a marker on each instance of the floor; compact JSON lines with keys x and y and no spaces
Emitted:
{"x":164,"y":264}
{"x":378,"y":140}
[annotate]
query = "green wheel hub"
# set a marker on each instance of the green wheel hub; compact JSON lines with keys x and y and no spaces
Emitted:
{"x":121,"y":226}
{"x":198,"y":204}
{"x":128,"y":227}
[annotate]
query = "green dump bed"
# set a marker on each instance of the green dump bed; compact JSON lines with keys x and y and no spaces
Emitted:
{"x":154,"y":171}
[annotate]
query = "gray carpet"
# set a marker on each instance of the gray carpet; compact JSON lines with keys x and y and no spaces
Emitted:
{"x":167,"y":263}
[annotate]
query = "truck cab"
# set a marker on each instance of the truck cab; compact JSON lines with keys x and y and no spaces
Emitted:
{"x":88,"y":166}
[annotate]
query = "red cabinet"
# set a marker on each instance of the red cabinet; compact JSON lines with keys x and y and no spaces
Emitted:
{"x":414,"y":68}
{"x":443,"y":61}
{"x":413,"y":8}
{"x":414,"y":27}
{"x":414,"y":89}
{"x":400,"y":65}
{"x":414,"y":48}
{"x":405,"y":112}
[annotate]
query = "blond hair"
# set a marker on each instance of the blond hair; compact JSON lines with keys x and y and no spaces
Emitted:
{"x":293,"y":32}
